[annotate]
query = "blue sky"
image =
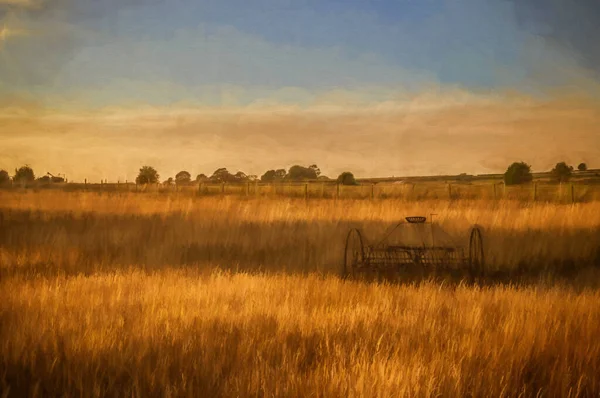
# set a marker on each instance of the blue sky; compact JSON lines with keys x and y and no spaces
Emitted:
{"x":236,"y":51}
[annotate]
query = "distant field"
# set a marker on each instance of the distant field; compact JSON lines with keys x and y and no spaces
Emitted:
{"x":170,"y":294}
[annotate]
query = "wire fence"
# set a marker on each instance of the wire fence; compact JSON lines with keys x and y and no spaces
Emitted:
{"x":537,"y":191}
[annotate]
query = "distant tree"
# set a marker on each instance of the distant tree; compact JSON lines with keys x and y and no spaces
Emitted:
{"x":147,"y":175}
{"x":223,"y":175}
{"x":269,"y":176}
{"x":201,"y":178}
{"x":562,"y":172}
{"x":280,"y":173}
{"x":518,"y":173}
{"x":169,"y":181}
{"x":582,"y":167}
{"x":347,"y":178}
{"x":24,"y":174}
{"x":298,"y":173}
{"x":240,"y":176}
{"x":4,"y":177}
{"x":183,"y":177}
{"x":252,"y":177}
{"x":316,"y":169}
{"x":273,"y":175}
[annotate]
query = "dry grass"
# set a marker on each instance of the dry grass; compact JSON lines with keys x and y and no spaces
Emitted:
{"x":118,"y":295}
{"x":85,"y":232}
{"x":177,"y":333}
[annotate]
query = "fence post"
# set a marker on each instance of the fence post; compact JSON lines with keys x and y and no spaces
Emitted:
{"x":572,"y":193}
{"x":373,"y":191}
{"x":337,"y":191}
{"x":449,"y":191}
{"x":248,"y":188}
{"x":494,"y":185}
{"x":306,"y":191}
{"x":504,"y":192}
{"x":535,"y":191}
{"x":222,"y":188}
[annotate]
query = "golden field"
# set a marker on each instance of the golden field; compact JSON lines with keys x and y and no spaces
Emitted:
{"x":178,"y":333}
{"x":172,"y":295}
{"x":58,"y":232}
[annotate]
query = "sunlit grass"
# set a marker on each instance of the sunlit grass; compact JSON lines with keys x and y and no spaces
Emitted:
{"x":188,"y":333}
{"x":73,"y":230}
{"x":135,"y":295}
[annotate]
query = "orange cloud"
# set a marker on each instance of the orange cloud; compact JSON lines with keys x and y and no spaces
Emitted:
{"x":428,"y":134}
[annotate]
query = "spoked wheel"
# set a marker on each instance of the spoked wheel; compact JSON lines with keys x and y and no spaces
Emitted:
{"x":476,"y":258}
{"x":354,"y":253}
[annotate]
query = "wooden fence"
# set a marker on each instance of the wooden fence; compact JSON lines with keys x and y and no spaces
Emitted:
{"x":537,"y":191}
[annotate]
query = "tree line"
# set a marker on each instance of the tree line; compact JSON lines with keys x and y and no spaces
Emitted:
{"x":520,"y":172}
{"x":149,"y":175}
{"x":516,"y":173}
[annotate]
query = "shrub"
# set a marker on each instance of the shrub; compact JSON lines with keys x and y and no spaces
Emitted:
{"x":183,"y":177}
{"x":298,"y":173}
{"x":518,"y":173}
{"x":562,"y":172}
{"x":347,"y":178}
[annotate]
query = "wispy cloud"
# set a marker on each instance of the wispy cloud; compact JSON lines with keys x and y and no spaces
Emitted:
{"x":137,"y":51}
{"x":6,"y":33}
{"x":10,"y":19}
{"x":22,"y":3}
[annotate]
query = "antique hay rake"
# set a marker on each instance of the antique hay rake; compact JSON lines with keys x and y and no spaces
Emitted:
{"x":419,"y":244}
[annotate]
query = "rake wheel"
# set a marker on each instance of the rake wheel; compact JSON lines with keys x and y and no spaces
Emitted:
{"x":476,"y":257}
{"x":354,"y":253}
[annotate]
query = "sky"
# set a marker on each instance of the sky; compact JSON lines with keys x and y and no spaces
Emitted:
{"x":393,"y":78}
